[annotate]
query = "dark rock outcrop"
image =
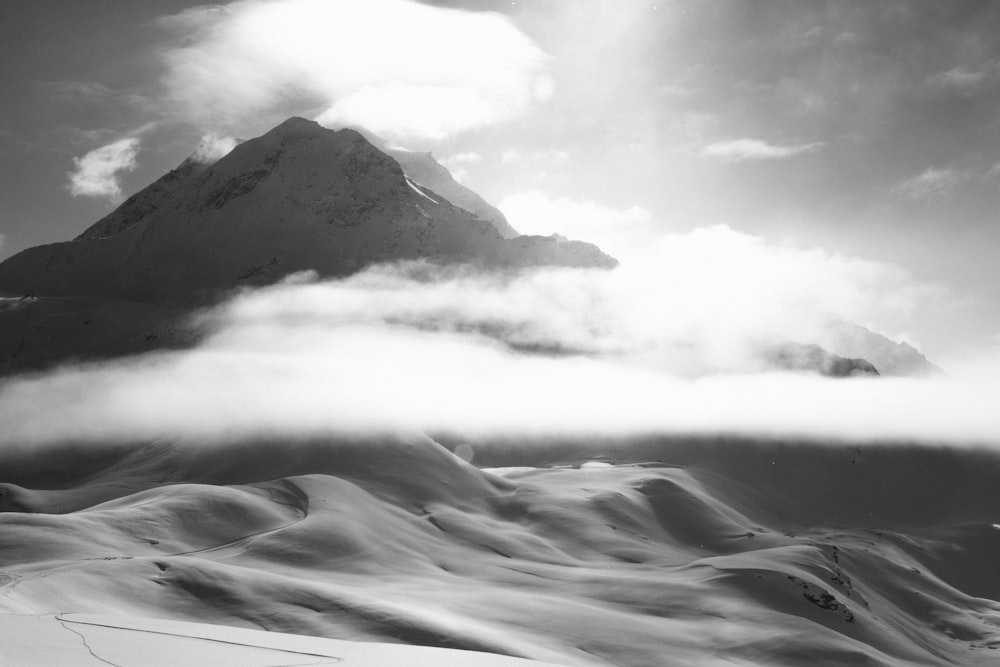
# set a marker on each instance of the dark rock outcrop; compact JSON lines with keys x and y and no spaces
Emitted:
{"x":815,"y":359}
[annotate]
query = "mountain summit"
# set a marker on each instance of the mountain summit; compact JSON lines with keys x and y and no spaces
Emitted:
{"x":300,"y":197}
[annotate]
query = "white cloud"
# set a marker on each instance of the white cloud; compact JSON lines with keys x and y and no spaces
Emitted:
{"x":457,"y":163}
{"x":96,"y":173}
{"x":738,"y":150}
{"x":931,"y":183}
{"x":213,"y":148}
{"x":616,"y":231}
{"x":397,"y":67}
{"x":958,"y":79}
{"x":514,"y":156}
{"x":665,"y":348}
{"x":462,"y":158}
{"x":511,"y":156}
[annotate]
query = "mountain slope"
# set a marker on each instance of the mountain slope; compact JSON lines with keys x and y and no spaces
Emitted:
{"x":297,"y":198}
{"x":645,"y":551}
{"x":890,"y":357}
{"x":146,"y":201}
{"x":422,"y":168}
{"x":425,"y":170}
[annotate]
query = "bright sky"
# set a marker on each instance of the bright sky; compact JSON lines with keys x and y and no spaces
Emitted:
{"x":869,"y":129}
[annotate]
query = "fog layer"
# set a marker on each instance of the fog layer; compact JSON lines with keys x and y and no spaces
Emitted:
{"x":670,"y":346}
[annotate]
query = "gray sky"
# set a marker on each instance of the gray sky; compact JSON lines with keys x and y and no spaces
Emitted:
{"x":867,"y":128}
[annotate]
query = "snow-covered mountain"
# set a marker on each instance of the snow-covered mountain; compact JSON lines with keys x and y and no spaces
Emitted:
{"x":299,"y":197}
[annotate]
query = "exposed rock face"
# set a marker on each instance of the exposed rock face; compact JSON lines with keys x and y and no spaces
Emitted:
{"x":300,"y":197}
{"x":815,"y":359}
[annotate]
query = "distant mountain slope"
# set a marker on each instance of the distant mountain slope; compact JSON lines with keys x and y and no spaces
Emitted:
{"x":425,"y":170}
{"x":890,"y":357}
{"x":300,"y":197}
{"x":428,"y":172}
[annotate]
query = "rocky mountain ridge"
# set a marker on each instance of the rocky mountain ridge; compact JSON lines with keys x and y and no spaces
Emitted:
{"x":300,"y":197}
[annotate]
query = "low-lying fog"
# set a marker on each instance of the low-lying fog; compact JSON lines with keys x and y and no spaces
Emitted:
{"x":670,"y":342}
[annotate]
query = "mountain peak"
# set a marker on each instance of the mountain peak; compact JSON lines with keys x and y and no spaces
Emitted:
{"x":300,"y":197}
{"x":297,"y":129}
{"x":297,"y":125}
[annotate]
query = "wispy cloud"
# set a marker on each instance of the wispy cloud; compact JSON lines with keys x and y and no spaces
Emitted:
{"x":426,"y":72}
{"x":931,"y":183}
{"x":993,"y":172}
{"x":738,"y":150}
{"x":94,"y":93}
{"x":514,"y":156}
{"x":958,"y":79}
{"x":213,"y":147}
{"x":96,"y":173}
{"x":458,"y":164}
{"x":462,"y":158}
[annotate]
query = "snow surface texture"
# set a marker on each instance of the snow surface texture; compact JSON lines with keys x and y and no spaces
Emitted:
{"x":91,"y":639}
{"x":674,"y":553}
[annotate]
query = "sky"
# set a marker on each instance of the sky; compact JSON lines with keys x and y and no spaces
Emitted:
{"x":861,"y":133}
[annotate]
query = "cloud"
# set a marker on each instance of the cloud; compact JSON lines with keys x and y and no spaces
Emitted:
{"x":213,"y":148}
{"x":669,"y":345}
{"x":616,"y":231}
{"x":94,"y":95}
{"x":398,"y":67}
{"x":931,"y":183}
{"x":959,"y":80}
{"x":514,"y":156}
{"x":457,"y":163}
{"x":462,"y":158}
{"x":738,"y":150}
{"x":96,"y":173}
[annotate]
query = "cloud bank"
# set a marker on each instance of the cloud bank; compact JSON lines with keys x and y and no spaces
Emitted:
{"x":668,"y":347}
{"x":96,"y":173}
{"x":397,"y":67}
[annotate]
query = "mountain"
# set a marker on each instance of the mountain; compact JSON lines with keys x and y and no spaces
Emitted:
{"x":815,"y":359}
{"x":890,"y":357}
{"x":425,"y":170}
{"x":146,"y":201}
{"x":422,"y":168}
{"x":300,"y":197}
